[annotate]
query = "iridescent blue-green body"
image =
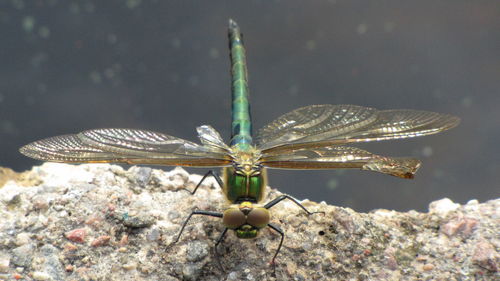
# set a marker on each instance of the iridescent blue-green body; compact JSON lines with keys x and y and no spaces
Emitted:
{"x":245,"y":181}
{"x":241,"y":127}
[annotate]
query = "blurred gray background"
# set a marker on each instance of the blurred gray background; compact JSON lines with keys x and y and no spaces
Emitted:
{"x":67,"y":66}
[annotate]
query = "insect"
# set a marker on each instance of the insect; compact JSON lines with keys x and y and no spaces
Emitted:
{"x":311,"y":137}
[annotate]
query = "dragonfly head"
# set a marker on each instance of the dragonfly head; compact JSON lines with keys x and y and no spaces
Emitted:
{"x":246,"y":220}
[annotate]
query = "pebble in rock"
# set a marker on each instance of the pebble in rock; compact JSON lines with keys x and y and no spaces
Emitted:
{"x":191,"y":272}
{"x":40,"y":275}
{"x":10,"y":195}
{"x":52,"y":265}
{"x":197,"y":250}
{"x":443,"y":206}
{"x":486,"y":256}
{"x":101,"y":241}
{"x":138,"y":221}
{"x":142,"y":175}
{"x":77,"y":235}
{"x":22,"y":255}
{"x":4,"y":263}
{"x":153,"y":235}
{"x":22,"y":239}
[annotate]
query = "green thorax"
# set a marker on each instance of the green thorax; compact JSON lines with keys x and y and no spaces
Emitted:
{"x":241,"y":126}
{"x":239,"y":187}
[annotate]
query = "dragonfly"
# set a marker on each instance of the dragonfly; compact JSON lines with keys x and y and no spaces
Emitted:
{"x":311,"y":137}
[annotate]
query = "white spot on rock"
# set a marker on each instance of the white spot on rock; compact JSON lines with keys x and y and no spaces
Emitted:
{"x":443,"y":206}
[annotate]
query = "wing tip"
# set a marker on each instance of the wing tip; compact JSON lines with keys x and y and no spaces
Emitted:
{"x":454,"y":121}
{"x":31,"y":153}
{"x":405,"y":168}
{"x":25,"y":151}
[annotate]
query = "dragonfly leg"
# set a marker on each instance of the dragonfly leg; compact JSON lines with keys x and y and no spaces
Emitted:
{"x":285,"y":196}
{"x":209,"y":173}
{"x":219,"y":240}
{"x":280,"y":232}
{"x":205,"y":213}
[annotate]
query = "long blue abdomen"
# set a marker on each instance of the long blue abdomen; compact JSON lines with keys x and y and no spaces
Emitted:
{"x":241,"y":126}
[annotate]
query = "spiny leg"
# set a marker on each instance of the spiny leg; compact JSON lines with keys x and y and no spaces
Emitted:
{"x":277,"y":229}
{"x":285,"y":196}
{"x":209,"y":173}
{"x":219,"y":240}
{"x":205,"y":213}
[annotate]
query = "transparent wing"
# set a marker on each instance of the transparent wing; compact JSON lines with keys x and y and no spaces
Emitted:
{"x":314,"y":123}
{"x":210,"y":137}
{"x":325,"y":125}
{"x":342,"y":157}
{"x":125,"y":146}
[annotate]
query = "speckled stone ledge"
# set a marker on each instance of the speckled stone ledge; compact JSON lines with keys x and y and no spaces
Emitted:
{"x":101,"y":222}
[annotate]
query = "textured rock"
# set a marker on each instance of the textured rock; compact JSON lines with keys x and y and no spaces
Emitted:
{"x":101,"y":222}
{"x":22,"y":255}
{"x":50,"y":264}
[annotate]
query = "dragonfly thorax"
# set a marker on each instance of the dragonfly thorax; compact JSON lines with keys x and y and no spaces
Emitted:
{"x":246,"y":162}
{"x":246,"y":179}
{"x":245,"y":219}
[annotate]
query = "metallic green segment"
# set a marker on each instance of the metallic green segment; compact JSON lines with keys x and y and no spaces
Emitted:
{"x":239,"y":188}
{"x":241,"y":125}
{"x":247,"y":232}
{"x":235,"y":185}
{"x":256,"y":187}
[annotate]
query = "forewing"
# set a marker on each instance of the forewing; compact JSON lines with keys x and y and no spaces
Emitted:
{"x":125,"y":146}
{"x":340,"y":124}
{"x":314,"y":123}
{"x":342,"y":157}
{"x":403,"y":123}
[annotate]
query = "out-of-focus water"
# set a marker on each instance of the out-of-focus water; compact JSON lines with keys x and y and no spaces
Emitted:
{"x":67,"y":66}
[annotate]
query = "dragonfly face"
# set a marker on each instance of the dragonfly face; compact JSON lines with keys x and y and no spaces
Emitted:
{"x":246,"y":220}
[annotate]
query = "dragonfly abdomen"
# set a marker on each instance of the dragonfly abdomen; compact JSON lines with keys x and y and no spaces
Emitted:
{"x":241,"y":125}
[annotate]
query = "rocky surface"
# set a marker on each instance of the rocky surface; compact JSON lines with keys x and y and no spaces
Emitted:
{"x":101,"y":222}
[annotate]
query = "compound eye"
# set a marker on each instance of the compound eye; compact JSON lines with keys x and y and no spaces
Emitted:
{"x":258,"y":217}
{"x":233,"y":218}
